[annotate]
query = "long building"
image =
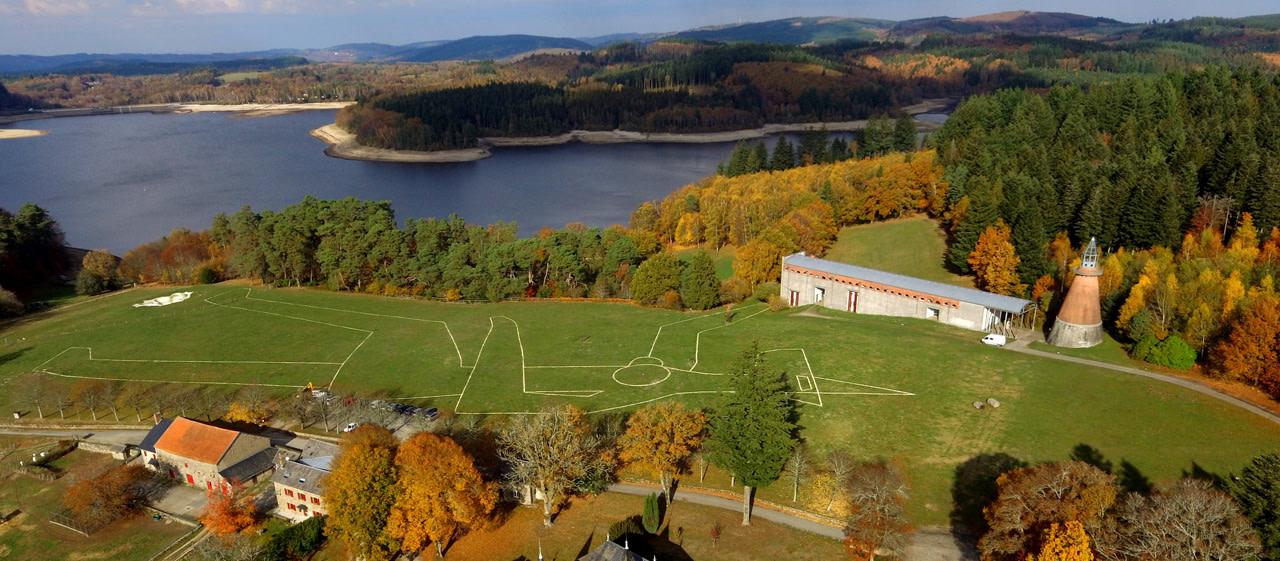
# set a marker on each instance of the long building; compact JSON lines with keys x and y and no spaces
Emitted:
{"x":850,"y":288}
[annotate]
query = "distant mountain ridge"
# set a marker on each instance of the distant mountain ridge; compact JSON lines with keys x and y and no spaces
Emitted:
{"x":796,"y":31}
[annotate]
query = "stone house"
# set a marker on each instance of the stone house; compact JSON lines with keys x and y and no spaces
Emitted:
{"x":206,"y":456}
{"x":297,"y":481}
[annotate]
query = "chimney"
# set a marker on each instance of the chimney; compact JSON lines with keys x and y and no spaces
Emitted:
{"x":156,"y":417}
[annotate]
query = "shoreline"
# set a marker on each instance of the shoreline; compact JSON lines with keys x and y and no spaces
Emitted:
{"x":248,"y":110}
{"x":343,"y":145}
{"x":20,"y":133}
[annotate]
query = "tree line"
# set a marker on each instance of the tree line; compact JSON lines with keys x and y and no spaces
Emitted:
{"x":32,"y":253}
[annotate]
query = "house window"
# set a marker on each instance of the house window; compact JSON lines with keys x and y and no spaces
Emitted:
{"x":315,"y":500}
{"x":291,"y":507}
{"x":288,"y":493}
{"x":302,"y":497}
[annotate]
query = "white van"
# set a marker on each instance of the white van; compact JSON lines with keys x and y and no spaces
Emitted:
{"x":995,"y":339}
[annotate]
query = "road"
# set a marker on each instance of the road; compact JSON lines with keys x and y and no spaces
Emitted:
{"x":111,"y":436}
{"x":933,"y":543}
{"x":1021,"y":346}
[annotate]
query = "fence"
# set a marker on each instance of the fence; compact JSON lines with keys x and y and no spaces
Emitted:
{"x":64,"y":519}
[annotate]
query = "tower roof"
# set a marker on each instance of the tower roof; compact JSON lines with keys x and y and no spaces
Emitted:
{"x":1089,"y":261}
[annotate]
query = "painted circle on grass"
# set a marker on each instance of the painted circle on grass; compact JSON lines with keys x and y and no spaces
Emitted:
{"x":641,"y":372}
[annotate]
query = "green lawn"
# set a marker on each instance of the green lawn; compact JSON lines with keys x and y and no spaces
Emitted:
{"x":232,"y":77}
{"x":31,"y":537}
{"x":722,"y":257}
{"x":1109,"y":351}
{"x":877,"y":386}
{"x":912,"y":246}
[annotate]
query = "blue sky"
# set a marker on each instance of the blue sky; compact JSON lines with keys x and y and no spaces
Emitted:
{"x":190,"y":26}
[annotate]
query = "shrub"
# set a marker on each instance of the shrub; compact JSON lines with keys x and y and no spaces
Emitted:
{"x":734,"y":290}
{"x":651,"y":518}
{"x":297,"y":541}
{"x":1143,"y":348}
{"x":766,"y":289}
{"x":10,"y":305}
{"x":89,"y":284}
{"x":776,"y":303}
{"x":671,"y":301}
{"x":625,"y":526}
{"x":1172,"y":353}
{"x":207,"y":275}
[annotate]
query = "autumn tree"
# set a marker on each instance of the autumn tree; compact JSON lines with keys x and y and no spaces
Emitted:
{"x":90,"y":394}
{"x":877,"y":522}
{"x":661,"y":437}
{"x":440,"y":493}
{"x":1033,"y":498}
{"x":994,"y":261}
{"x":1064,"y":542}
{"x":252,"y":405}
{"x":1252,"y":352}
{"x":360,"y":491}
{"x":230,"y":512}
{"x":1193,"y":520}
{"x":658,"y":275}
{"x":1257,"y":490}
{"x":111,"y":494}
{"x":750,"y":433}
{"x":98,"y":273}
{"x":550,"y":452}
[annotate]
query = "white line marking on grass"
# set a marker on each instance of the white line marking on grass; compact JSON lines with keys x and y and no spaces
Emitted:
{"x":430,"y":396}
{"x":344,"y":363}
{"x":890,"y":390}
{"x":406,"y":318}
{"x":475,"y":365}
{"x":287,"y":316}
{"x":175,"y":361}
{"x":72,"y":376}
{"x":661,"y":327}
{"x":697,"y":345}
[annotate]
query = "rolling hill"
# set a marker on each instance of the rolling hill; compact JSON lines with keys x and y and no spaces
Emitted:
{"x":488,"y":47}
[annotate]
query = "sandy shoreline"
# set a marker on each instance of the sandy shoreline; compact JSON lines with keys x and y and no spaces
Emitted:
{"x":259,"y":109}
{"x":20,"y":133}
{"x":342,"y":144}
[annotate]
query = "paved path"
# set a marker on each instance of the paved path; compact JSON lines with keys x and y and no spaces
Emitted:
{"x":927,"y":544}
{"x":112,"y":436}
{"x":1021,"y":346}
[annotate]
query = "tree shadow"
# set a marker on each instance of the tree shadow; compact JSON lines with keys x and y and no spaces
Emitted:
{"x":1090,"y":455}
{"x":1197,"y":472}
{"x":974,"y":488}
{"x":1132,"y":480}
{"x":13,"y":355}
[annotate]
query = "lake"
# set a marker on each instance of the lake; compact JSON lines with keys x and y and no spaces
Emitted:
{"x":118,"y":181}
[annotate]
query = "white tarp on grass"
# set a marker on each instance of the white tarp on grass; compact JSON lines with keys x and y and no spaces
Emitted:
{"x":164,"y":300}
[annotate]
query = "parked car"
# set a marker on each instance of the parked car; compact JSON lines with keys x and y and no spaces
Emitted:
{"x":430,"y":413}
{"x":350,"y":427}
{"x":995,"y":339}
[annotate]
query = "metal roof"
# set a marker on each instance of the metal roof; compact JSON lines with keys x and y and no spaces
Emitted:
{"x":250,"y":467}
{"x":300,"y":476}
{"x":149,"y":442}
{"x":986,"y":299}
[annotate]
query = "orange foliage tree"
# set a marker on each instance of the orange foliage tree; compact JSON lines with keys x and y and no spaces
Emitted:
{"x":994,"y":261}
{"x":440,"y":493}
{"x":1252,"y":352}
{"x":1031,"y":499}
{"x":1064,"y":542}
{"x":360,"y":491}
{"x":661,"y":437}
{"x":109,"y":495}
{"x":760,"y":260}
{"x":228,"y":513}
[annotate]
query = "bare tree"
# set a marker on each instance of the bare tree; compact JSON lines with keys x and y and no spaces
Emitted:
{"x":60,"y":397}
{"x":841,"y":466}
{"x":878,"y":522}
{"x":1190,"y":521}
{"x":797,"y":468}
{"x":298,"y":408}
{"x":700,"y":459}
{"x":550,"y":452}
{"x":111,"y":398}
{"x":32,"y":391}
{"x":89,"y":394}
{"x":209,"y":402}
{"x":236,"y":547}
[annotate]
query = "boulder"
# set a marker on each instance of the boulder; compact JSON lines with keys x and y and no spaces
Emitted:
{"x":992,"y":402}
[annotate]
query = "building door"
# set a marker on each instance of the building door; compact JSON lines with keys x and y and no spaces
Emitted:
{"x":190,"y":480}
{"x":853,"y":302}
{"x":795,"y":298}
{"x":818,"y":293}
{"x":171,"y":475}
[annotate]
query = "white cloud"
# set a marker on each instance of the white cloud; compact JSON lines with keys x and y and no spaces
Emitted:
{"x":57,"y":7}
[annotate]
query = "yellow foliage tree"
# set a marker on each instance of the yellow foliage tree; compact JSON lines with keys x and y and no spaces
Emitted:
{"x":1064,"y":542}
{"x":757,"y":262}
{"x":661,"y":437}
{"x":249,"y":412}
{"x":826,"y":495}
{"x":1112,"y":275}
{"x":1136,"y":302}
{"x":1232,"y":293}
{"x":995,"y":262}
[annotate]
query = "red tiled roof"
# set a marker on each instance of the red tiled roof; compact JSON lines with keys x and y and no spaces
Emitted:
{"x":196,"y":441}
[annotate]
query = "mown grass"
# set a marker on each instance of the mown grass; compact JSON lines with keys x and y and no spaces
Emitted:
{"x":913,"y":246}
{"x":516,"y":357}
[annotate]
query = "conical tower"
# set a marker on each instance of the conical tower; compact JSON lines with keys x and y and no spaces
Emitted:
{"x":1079,"y":322}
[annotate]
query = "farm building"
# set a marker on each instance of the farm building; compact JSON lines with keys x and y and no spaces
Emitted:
{"x":297,"y":481}
{"x":205,"y":455}
{"x":850,"y":288}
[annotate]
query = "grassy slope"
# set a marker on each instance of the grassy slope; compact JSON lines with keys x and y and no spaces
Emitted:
{"x":1049,"y":406}
{"x":896,"y":246}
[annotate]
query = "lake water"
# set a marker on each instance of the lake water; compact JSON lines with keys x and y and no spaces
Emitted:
{"x":118,"y":181}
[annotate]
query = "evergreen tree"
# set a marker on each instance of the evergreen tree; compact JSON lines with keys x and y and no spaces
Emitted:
{"x":1257,"y":489}
{"x":655,"y":277}
{"x":699,"y":287}
{"x":759,"y":158}
{"x":876,"y":137}
{"x":904,"y":133}
{"x":784,"y":156}
{"x":982,"y":213}
{"x":813,"y":146}
{"x":1030,"y":240}
{"x":838,"y":151}
{"x":750,"y":434}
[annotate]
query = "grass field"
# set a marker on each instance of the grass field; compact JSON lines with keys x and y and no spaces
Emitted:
{"x":878,"y":386}
{"x":908,"y":246}
{"x":30,"y":536}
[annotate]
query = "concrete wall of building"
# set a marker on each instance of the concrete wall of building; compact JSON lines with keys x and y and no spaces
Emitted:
{"x":883,"y":301}
{"x":204,"y":476}
{"x":287,"y":497}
